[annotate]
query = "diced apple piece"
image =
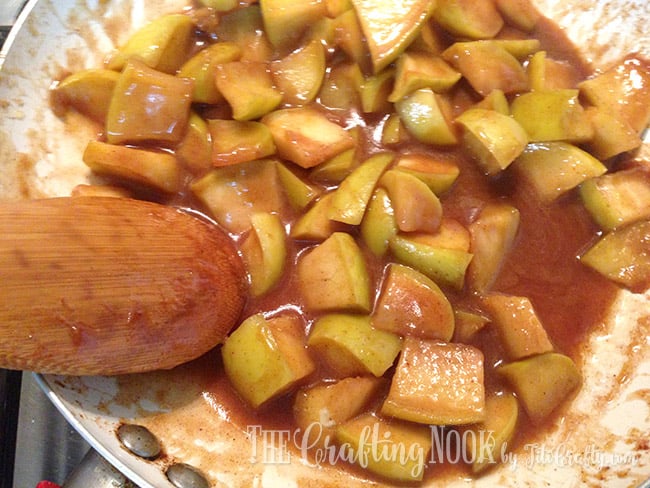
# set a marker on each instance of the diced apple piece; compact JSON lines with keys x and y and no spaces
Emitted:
{"x":491,"y":437}
{"x":494,"y":140}
{"x":195,"y":149}
{"x":617,"y":199}
{"x":319,"y":409}
{"x":495,"y":100}
{"x":425,"y":115}
{"x":417,"y":208}
{"x":286,"y":20}
{"x":545,"y":73}
{"x":88,"y":91}
{"x":202,"y":67}
{"x":438,"y":174}
{"x":493,"y":234}
{"x":336,"y":169}
{"x":349,"y":38}
{"x":300,"y":74}
{"x":450,"y":235}
{"x":350,"y":346}
{"x":623,"y":89}
{"x":542,"y":383}
{"x":233,"y":194}
{"x":431,"y":39}
{"x":248,"y":88}
{"x":521,"y":49}
{"x":552,"y":115}
{"x":265,"y":252}
{"x":612,"y":134}
{"x":518,"y":325}
{"x":315,"y":224}
{"x":153,"y":169}
{"x":412,"y":304}
{"x":468,"y":19}
{"x":468,"y":324}
{"x":366,"y":431}
{"x":299,"y":193}
{"x":148,"y":105}
{"x":264,"y":358}
{"x":623,"y":256}
{"x":374,"y":92}
{"x":553,"y":168}
{"x":387,"y":39}
{"x":487,"y":66}
{"x":245,"y":27}
{"x":306,"y":136}
{"x":353,"y":194}
{"x":333,"y":276}
{"x":220,"y":5}
{"x":378,"y":225}
{"x":161,"y":44}
{"x":437,"y":383}
{"x":393,"y":131}
{"x":519,"y":13}
{"x":238,"y":141}
{"x":445,"y":266}
{"x":417,"y":70}
{"x":341,"y":86}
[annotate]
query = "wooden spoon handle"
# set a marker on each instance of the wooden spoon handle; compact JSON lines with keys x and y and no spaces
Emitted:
{"x":92,"y":285}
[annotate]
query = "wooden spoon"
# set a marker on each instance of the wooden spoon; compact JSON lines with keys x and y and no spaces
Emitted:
{"x":92,"y":285}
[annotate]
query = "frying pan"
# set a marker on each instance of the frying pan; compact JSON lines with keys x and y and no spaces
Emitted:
{"x":602,"y":440}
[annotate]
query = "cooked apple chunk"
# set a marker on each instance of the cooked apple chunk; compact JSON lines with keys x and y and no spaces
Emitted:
{"x":501,"y":416}
{"x":286,"y":20}
{"x":232,"y":193}
{"x":202,"y":68}
{"x":446,"y":266}
{"x":299,"y":193}
{"x":518,"y":325}
{"x":412,"y":304}
{"x":264,"y":251}
{"x":149,"y":168}
{"x":552,"y":115}
{"x":520,"y":13}
{"x":439,"y":174}
{"x":426,"y":115}
{"x":319,"y":409}
{"x":238,"y":141}
{"x":623,"y":89}
{"x":468,"y":18}
{"x":493,"y":139}
{"x":248,"y":88}
{"x":416,"y":207}
{"x":378,"y":225}
{"x":410,"y":443}
{"x":162,"y":44}
{"x":88,"y":91}
{"x":421,"y":70}
{"x":554,"y":168}
{"x":333,"y":276}
{"x":542,"y":382}
{"x":306,"y":136}
{"x":623,"y":256}
{"x":195,"y":149}
{"x":265,"y":358}
{"x":300,"y":74}
{"x":350,"y":345}
{"x":492,"y":234}
{"x":487,"y":66}
{"x":148,"y":106}
{"x":437,"y":383}
{"x":315,"y":224}
{"x":617,"y":199}
{"x":353,"y":194}
{"x":386,"y":38}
